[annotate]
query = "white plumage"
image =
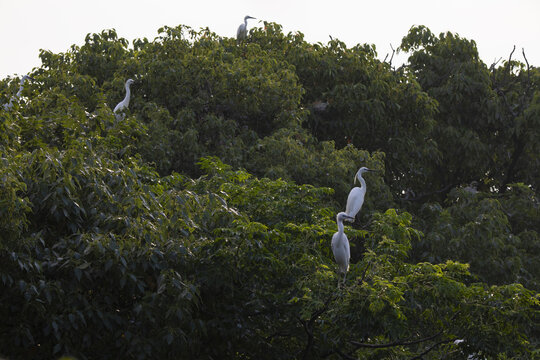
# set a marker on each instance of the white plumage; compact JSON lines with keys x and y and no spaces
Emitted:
{"x":124,"y":104}
{"x":19,"y":93}
{"x":340,"y":245}
{"x":355,"y":200}
{"x":241,"y":33}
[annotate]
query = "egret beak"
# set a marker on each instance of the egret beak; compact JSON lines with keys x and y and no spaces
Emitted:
{"x":349,"y":218}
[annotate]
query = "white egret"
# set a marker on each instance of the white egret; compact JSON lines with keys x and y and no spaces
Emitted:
{"x":124,"y":104}
{"x":19,"y":93}
{"x":241,"y":33}
{"x":340,"y":245}
{"x":355,"y":200}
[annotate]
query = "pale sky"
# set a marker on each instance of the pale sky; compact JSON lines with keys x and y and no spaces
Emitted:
{"x":495,"y":25}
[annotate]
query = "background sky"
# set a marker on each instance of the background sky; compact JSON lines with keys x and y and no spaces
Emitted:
{"x":26,"y":26}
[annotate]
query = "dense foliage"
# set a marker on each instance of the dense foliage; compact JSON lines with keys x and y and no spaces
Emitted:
{"x":199,"y":226}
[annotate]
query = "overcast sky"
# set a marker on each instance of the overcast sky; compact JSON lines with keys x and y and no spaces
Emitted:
{"x":496,"y":26}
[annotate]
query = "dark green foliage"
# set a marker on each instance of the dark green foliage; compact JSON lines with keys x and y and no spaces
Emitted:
{"x":199,"y":227}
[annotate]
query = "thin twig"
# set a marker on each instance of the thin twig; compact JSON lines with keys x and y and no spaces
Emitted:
{"x":528,"y":66}
{"x":394,"y":343}
{"x":393,"y":52}
{"x":526,"y":61}
{"x":492,"y":69}
{"x":364,"y":274}
{"x":401,"y":342}
{"x":392,"y":57}
{"x":495,"y":63}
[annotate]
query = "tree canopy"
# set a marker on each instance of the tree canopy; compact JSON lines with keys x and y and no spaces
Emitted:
{"x":199,"y":226}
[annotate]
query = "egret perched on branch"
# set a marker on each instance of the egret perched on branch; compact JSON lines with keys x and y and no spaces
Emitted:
{"x":123,"y":105}
{"x":340,"y":245}
{"x":241,"y":33}
{"x":355,"y":200}
{"x":19,"y":93}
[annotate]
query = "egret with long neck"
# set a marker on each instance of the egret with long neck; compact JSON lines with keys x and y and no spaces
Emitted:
{"x":340,"y":245}
{"x":355,"y":200}
{"x":124,"y":104}
{"x":241,"y":33}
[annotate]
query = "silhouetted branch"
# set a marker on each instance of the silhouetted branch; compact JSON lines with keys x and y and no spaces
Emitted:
{"x":364,"y":274}
{"x":419,"y":356}
{"x":526,"y":61}
{"x":394,"y":343}
{"x":393,"y":52}
{"x":309,"y":344}
{"x":492,"y":69}
{"x":404,"y":342}
{"x":308,"y":326}
{"x":528,"y":66}
{"x":510,"y":57}
{"x":509,"y":64}
{"x":392,"y":57}
{"x":495,"y":63}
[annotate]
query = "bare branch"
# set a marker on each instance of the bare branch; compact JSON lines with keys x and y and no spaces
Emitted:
{"x":528,"y":66}
{"x":391,"y":57}
{"x":509,"y":63}
{"x":495,"y":62}
{"x":510,"y":57}
{"x":526,"y":61}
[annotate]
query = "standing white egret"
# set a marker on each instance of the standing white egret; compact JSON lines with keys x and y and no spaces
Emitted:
{"x":340,"y":245}
{"x":19,"y":93}
{"x":124,"y":104}
{"x":355,"y":200}
{"x":241,"y":33}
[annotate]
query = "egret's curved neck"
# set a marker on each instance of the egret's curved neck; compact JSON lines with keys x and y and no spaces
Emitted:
{"x":20,"y":91}
{"x":128,"y":94}
{"x":362,"y":181}
{"x":340,"y":228}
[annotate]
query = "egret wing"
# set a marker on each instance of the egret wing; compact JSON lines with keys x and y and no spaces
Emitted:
{"x":355,"y":200}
